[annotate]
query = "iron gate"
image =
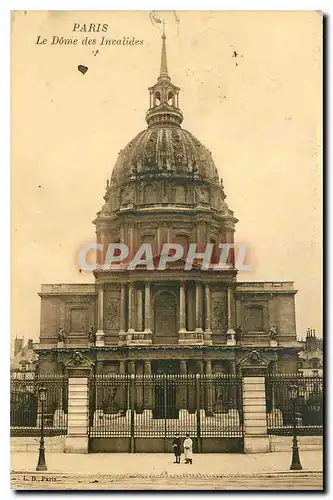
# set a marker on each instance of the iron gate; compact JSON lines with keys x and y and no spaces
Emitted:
{"x":144,"y":412}
{"x":307,"y":408}
{"x":25,"y":407}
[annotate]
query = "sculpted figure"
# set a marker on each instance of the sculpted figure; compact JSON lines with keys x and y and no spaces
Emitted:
{"x":92,"y":335}
{"x":200,"y":195}
{"x":238,"y":334}
{"x":61,"y":335}
{"x":273,"y":332}
{"x":127,"y":194}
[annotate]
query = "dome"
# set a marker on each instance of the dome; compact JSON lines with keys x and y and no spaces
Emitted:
{"x":160,"y":151}
{"x":164,"y":149}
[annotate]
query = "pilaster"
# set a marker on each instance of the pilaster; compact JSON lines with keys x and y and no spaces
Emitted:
{"x":254,"y":369}
{"x":100,"y":342}
{"x":198,"y":308}
{"x":79,"y":370}
{"x":147,"y":321}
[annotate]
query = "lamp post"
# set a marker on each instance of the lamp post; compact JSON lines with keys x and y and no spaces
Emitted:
{"x":41,"y":466}
{"x":295,"y":462}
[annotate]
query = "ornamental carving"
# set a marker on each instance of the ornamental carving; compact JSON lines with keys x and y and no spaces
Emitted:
{"x":218,"y":314}
{"x":150,"y":149}
{"x":178,"y":152}
{"x":112,"y":314}
{"x":164,"y":150}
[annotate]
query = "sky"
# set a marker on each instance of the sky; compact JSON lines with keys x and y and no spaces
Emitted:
{"x":259,"y":113}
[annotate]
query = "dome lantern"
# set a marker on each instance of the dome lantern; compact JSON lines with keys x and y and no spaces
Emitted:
{"x":164,"y":97}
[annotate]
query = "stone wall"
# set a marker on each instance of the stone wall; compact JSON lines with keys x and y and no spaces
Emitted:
{"x":305,"y":443}
{"x":70,"y":306}
{"x":55,"y":444}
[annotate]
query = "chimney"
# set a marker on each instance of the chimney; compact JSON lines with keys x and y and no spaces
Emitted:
{"x":18,"y":345}
{"x":30,"y":344}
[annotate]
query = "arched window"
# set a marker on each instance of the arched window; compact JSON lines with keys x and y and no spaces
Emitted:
{"x":255,"y":319}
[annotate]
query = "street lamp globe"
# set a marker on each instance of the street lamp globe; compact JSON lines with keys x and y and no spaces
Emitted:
{"x":42,"y":393}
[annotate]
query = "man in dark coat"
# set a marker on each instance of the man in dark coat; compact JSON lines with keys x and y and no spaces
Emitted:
{"x":177,"y":448}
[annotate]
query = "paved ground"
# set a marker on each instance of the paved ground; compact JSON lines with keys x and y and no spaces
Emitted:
{"x":158,"y":472}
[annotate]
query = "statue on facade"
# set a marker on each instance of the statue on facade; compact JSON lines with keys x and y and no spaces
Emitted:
{"x":133,"y":170}
{"x":273,"y":332}
{"x":106,"y":197}
{"x":127,"y":195}
{"x":238,"y":334}
{"x":61,"y":335}
{"x":92,"y":335}
{"x":200,"y":194}
{"x":222,"y":191}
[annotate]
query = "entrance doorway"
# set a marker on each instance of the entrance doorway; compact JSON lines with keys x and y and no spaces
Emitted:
{"x":165,"y":318}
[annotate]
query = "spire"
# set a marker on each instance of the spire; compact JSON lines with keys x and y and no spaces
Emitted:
{"x":164,"y":64}
{"x":163,"y":97}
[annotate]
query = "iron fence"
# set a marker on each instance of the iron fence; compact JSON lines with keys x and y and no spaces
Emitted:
{"x":159,"y":406}
{"x":25,"y":407}
{"x":306,"y":408}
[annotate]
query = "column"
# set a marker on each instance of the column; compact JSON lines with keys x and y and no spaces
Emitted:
{"x":230,"y":321}
{"x":147,"y":308}
{"x":131,"y":367}
{"x":122,"y":393}
{"x":148,"y":386}
{"x":158,"y":240}
{"x":100,"y":332}
{"x":122,"y":234}
{"x":99,"y":389}
{"x":139,"y":388}
{"x":198,"y":308}
{"x":183,"y":387}
{"x":169,"y":233}
{"x":130,"y":308}
{"x":131,"y":371}
{"x":208,"y":311}
{"x":182,"y":307}
{"x":209,"y":388}
{"x":131,"y":241}
{"x":189,"y":313}
{"x":122,"y":308}
{"x":139,"y":319}
{"x":231,"y":331}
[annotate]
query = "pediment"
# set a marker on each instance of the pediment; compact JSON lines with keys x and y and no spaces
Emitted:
{"x":78,"y":360}
{"x":253,"y":360}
